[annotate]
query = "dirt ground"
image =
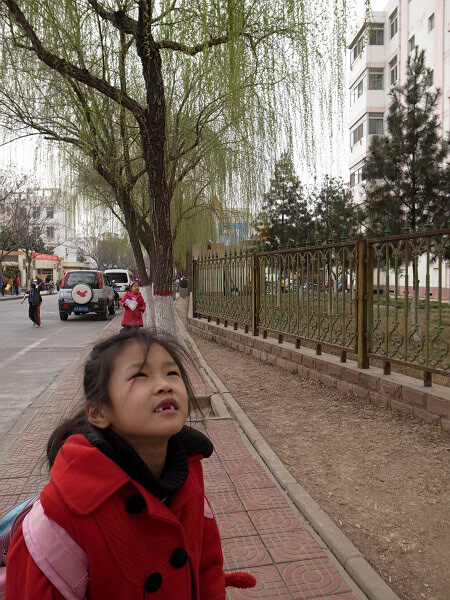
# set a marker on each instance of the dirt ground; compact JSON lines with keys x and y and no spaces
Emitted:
{"x":382,"y":477}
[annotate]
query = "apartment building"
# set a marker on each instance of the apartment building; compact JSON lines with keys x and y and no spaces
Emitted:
{"x":378,"y":60}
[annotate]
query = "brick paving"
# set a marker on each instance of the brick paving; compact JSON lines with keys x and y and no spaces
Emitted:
{"x":261,"y":531}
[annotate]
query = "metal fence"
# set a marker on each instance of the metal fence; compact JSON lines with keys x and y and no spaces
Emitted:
{"x":385,"y":298}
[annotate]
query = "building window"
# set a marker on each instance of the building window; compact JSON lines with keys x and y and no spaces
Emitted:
{"x":50,"y":233}
{"x":357,"y":176}
{"x":393,"y":22}
{"x":358,"y":48}
{"x":393,"y":70}
{"x":35,"y":212}
{"x":430,"y":77}
{"x":411,"y":44}
{"x":376,"y":79}
{"x":357,"y":134}
{"x":357,"y":91}
{"x":376,"y":37}
{"x":376,"y":124}
{"x":50,"y":212}
{"x":430,"y":23}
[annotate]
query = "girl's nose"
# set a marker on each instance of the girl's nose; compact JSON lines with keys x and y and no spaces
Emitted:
{"x":163,"y":384}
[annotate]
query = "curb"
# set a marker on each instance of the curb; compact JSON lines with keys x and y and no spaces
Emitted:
{"x":351,"y":559}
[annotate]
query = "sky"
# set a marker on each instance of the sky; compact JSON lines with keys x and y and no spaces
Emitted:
{"x":27,"y":156}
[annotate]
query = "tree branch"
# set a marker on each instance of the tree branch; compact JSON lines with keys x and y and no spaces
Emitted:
{"x":67,"y":69}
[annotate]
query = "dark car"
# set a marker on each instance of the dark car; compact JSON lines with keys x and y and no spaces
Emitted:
{"x":84,"y":292}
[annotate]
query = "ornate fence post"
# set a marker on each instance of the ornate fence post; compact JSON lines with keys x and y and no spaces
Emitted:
{"x":256,"y":293}
{"x":194,"y":287}
{"x":362,"y":303}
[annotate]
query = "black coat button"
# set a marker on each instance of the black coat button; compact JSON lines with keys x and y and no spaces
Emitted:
{"x":135,"y":504}
{"x":153,"y":582}
{"x":178,"y":558}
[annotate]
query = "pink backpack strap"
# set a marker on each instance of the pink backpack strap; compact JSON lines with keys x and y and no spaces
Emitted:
{"x":58,"y":556}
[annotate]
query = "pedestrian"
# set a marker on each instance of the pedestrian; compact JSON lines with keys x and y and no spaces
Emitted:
{"x":134,"y":307}
{"x":2,"y":286}
{"x":126,"y":482}
{"x":10,"y":286}
{"x":16,"y":284}
{"x":34,"y":304}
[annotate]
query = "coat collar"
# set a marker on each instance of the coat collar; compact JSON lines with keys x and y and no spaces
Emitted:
{"x":86,"y":478}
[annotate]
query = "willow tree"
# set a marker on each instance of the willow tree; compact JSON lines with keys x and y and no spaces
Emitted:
{"x":248,"y":64}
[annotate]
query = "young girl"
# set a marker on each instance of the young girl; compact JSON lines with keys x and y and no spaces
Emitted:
{"x":127,"y":484}
{"x":134,"y":305}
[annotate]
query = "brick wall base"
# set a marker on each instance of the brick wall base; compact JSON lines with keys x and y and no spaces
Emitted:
{"x":395,"y":391}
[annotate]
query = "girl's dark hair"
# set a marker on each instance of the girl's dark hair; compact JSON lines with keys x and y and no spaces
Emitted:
{"x":97,"y":372}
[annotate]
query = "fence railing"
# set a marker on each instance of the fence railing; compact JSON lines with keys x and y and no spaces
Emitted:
{"x":385,"y":298}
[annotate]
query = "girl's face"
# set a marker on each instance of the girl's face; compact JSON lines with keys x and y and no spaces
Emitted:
{"x":147,"y":399}
{"x":134,"y":288}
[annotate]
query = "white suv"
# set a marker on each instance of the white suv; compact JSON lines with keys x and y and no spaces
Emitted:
{"x":82,"y":292}
{"x":120,"y":280}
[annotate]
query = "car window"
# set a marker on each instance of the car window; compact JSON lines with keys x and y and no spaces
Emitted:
{"x":118,"y":277}
{"x":88,"y":278}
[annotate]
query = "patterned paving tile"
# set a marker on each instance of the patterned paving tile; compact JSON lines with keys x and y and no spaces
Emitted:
{"x":236,"y":465}
{"x":312,"y":579}
{"x":245,"y":480}
{"x":244,"y":552}
{"x":213,"y":469}
{"x":233,"y":451}
{"x":269,"y":585}
{"x":292,"y":546}
{"x":218,"y":483}
{"x":348,"y":596}
{"x":235,"y":524}
{"x":249,"y":466}
{"x":225,"y":502}
{"x":275,"y":521}
{"x":262,"y":498}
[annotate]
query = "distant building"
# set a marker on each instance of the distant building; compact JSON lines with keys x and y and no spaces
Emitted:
{"x":379,"y":60}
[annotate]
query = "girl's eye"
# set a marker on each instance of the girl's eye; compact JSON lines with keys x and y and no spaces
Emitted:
{"x":174,"y":373}
{"x":140,"y":374}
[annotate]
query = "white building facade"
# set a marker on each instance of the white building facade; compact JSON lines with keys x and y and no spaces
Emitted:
{"x":379,"y":60}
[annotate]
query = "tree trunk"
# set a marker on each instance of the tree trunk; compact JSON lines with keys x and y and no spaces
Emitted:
{"x":153,"y":138}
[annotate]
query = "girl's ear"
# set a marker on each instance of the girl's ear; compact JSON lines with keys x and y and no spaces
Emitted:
{"x":98,"y":416}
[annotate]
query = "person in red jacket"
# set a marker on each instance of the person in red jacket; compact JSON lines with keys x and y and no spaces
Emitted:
{"x":126,"y":482}
{"x":134,"y":305}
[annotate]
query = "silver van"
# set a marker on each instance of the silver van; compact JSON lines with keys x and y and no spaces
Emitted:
{"x":120,"y":280}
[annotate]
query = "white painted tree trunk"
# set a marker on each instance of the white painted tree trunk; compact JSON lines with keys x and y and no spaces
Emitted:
{"x":149,"y":317}
{"x":165,"y":314}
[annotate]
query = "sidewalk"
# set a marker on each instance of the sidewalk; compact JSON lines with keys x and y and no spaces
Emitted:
{"x":262,"y":531}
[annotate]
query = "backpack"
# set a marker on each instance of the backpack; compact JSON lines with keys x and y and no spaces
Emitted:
{"x":60,"y":558}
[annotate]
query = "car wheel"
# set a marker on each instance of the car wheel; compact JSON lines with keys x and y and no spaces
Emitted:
{"x":103,"y":315}
{"x":112,"y":308}
{"x":63,"y":316}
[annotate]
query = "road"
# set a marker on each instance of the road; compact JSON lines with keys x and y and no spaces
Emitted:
{"x":31,"y":357}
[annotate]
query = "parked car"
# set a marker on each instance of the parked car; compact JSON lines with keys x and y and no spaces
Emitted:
{"x":120,"y":280}
{"x":84,"y":292}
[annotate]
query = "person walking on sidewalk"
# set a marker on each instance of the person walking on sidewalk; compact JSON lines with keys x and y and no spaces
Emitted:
{"x":134,"y":305}
{"x":2,"y":286}
{"x":34,"y":304}
{"x":126,"y":482}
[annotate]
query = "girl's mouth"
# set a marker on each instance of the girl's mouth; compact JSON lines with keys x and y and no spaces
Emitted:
{"x":168,"y":405}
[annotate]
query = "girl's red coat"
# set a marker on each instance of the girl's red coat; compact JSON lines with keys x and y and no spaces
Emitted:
{"x":88,"y":495}
{"x":133,"y":317}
